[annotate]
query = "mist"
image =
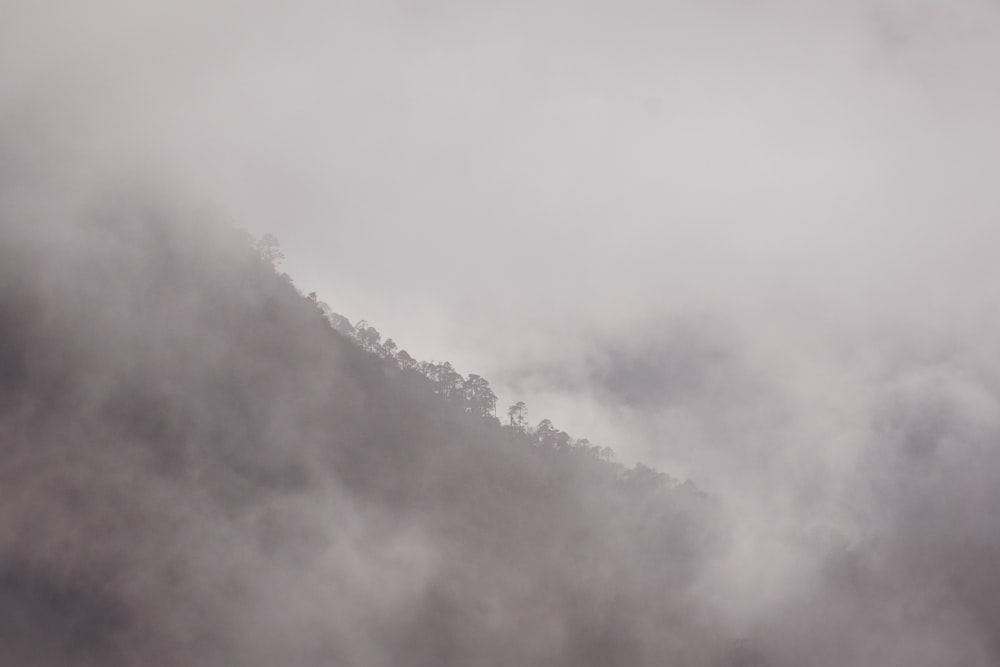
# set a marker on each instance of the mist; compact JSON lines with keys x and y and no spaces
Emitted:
{"x":747,"y":243}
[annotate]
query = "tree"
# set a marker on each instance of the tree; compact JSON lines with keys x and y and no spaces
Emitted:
{"x":325,"y":309}
{"x":342,"y":324}
{"x":482,"y":400}
{"x":646,"y":479}
{"x":270,"y":250}
{"x":545,"y":432}
{"x":589,"y":448}
{"x":369,"y":338}
{"x":518,"y":414}
{"x":561,"y":440}
{"x":449,"y":381}
{"x":389,"y":347}
{"x":548,"y":435}
{"x":405,"y":361}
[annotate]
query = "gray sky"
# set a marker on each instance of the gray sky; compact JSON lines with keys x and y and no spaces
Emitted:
{"x":533,"y":189}
{"x":751,"y":242}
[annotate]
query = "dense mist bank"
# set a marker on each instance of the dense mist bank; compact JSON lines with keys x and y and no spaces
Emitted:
{"x":752,"y":244}
{"x":197,"y":469}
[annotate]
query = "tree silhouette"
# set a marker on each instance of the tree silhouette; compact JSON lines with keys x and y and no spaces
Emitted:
{"x":518,"y":414}
{"x":545,"y":433}
{"x":370,"y":339}
{"x":405,"y":361}
{"x":270,"y":250}
{"x":448,"y":380}
{"x":482,"y":400}
{"x":342,"y":325}
{"x":477,"y":395}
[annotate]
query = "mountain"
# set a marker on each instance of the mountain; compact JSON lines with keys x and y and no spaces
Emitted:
{"x":198,"y":469}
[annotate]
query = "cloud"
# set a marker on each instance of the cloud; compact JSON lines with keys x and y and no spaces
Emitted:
{"x":751,"y":243}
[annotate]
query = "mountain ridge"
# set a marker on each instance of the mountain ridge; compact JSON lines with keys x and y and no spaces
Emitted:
{"x":169,"y":394}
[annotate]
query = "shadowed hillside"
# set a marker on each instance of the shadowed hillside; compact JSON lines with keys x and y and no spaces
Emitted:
{"x":201,"y":466}
{"x":199,"y":470}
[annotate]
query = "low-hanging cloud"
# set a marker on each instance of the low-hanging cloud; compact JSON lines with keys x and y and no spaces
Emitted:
{"x":751,"y":243}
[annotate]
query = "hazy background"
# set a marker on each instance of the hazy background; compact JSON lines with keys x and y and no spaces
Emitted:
{"x":748,"y":242}
{"x":742,"y":211}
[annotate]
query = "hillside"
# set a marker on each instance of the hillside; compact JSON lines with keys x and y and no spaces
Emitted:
{"x":198,"y":469}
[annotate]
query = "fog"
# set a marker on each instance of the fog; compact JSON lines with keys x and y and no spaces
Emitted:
{"x":635,"y":159}
{"x":750,"y":243}
{"x":550,"y":168}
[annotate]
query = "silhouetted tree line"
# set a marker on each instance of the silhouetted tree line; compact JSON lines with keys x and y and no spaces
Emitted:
{"x":197,"y":469}
{"x":473,"y":393}
{"x":200,"y":470}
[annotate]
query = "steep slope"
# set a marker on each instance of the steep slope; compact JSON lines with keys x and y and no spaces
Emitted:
{"x":197,"y":470}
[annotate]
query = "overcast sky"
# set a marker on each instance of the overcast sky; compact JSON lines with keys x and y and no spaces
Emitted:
{"x":758,"y":198}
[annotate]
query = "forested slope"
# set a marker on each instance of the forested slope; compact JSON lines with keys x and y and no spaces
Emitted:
{"x":198,"y":469}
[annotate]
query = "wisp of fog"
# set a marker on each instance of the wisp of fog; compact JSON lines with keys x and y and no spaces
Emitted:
{"x":742,"y":252}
